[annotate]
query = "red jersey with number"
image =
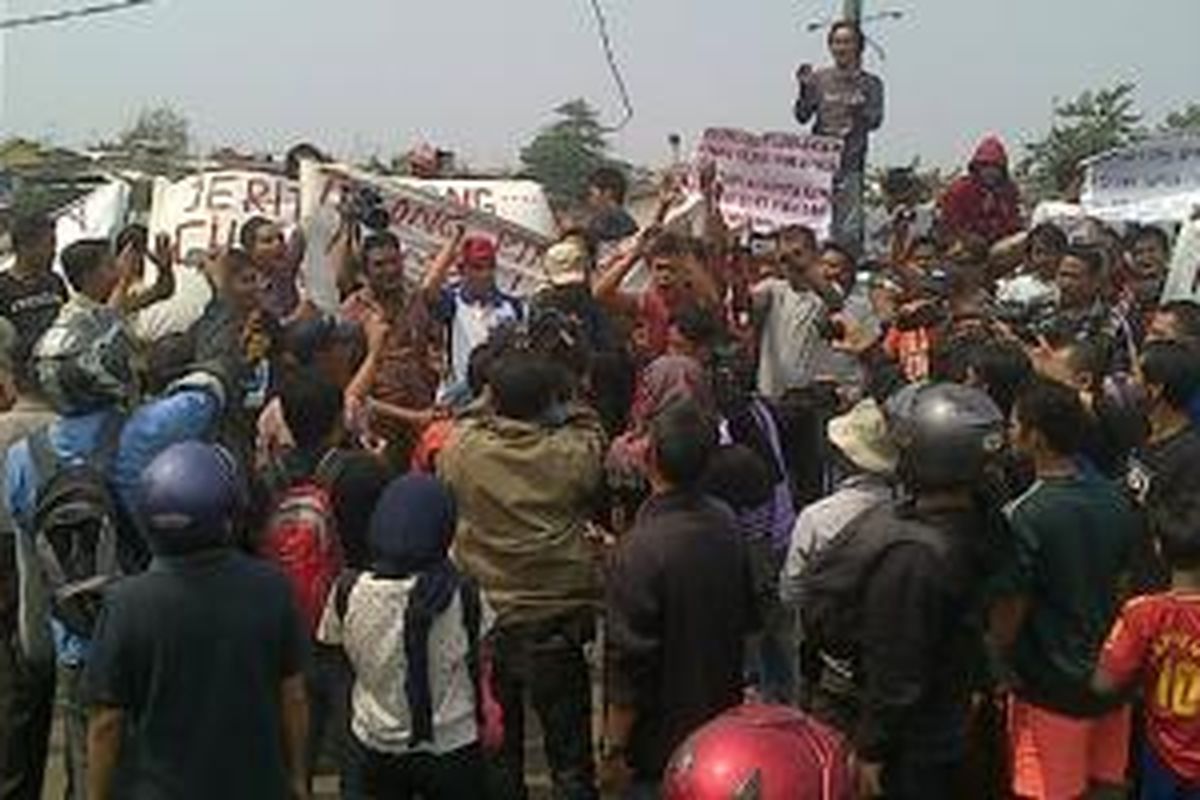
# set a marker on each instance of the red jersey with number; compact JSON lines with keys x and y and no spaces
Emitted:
{"x":1157,"y":637}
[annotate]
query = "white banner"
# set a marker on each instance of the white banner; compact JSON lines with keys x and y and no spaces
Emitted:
{"x":99,"y":214}
{"x":521,"y":202}
{"x":1154,"y":181}
{"x":208,"y":210}
{"x":422,"y":220}
{"x":202,"y":212}
{"x":1183,"y":278}
{"x":774,"y":179}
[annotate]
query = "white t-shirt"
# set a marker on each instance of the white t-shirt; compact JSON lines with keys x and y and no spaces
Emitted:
{"x":791,"y":341}
{"x":372,"y":634}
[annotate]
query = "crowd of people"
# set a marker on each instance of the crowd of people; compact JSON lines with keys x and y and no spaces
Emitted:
{"x":907,"y":515}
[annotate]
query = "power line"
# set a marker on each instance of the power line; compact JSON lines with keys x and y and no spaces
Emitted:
{"x":64,"y":16}
{"x":613,"y":67}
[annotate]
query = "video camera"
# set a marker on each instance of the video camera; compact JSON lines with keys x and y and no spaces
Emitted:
{"x":364,"y":204}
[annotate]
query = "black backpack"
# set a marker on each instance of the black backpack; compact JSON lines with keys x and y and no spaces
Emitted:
{"x":834,"y":583}
{"x":76,"y":528}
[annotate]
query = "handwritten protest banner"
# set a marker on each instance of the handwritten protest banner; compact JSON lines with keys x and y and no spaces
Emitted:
{"x":774,"y":179}
{"x":208,"y":210}
{"x":521,"y":202}
{"x":1152,"y":181}
{"x":421,"y":219}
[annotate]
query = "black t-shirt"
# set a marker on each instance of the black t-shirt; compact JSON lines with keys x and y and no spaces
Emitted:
{"x":1162,"y":478}
{"x":194,"y":652}
{"x":30,"y":303}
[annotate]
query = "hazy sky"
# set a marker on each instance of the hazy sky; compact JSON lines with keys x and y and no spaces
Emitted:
{"x":480,"y":76}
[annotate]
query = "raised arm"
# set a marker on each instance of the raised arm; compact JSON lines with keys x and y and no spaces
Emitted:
{"x":607,"y":287}
{"x":806,"y":101}
{"x":439,"y":267}
{"x":163,"y":259}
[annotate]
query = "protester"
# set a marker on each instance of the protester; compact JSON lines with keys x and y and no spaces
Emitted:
{"x":868,"y":454}
{"x":1148,"y":255}
{"x":1074,"y":535}
{"x":30,"y":293}
{"x":195,"y":676}
{"x":471,"y":309}
{"x":300,"y":536}
{"x":416,"y":703}
{"x":666,"y":675}
{"x":83,"y":366}
{"x":525,"y":474}
{"x":984,"y":205}
{"x":278,"y":264}
{"x":847,"y":103}
{"x":1036,"y":285}
{"x":915,"y":565}
{"x":1154,"y":643}
{"x":26,"y":684}
{"x":789,"y":312}
{"x":606,"y":189}
{"x":678,"y":280}
{"x":1167,"y":469}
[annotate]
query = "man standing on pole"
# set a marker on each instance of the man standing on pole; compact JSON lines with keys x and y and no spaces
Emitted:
{"x":848,"y":104}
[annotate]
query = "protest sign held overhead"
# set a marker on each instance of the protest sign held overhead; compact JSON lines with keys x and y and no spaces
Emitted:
{"x":207,"y":210}
{"x":421,"y":219}
{"x":1152,"y":181}
{"x":521,"y":202}
{"x":773,"y":179}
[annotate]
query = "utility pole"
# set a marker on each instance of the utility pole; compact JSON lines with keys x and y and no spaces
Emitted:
{"x":852,"y":10}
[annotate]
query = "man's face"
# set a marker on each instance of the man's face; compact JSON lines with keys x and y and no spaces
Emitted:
{"x":1077,"y":287}
{"x":843,"y":46}
{"x":385,"y":269}
{"x":924,"y":257}
{"x":836,"y":268}
{"x":597,"y":198}
{"x":990,"y":175}
{"x":1149,"y":258}
{"x":1044,"y":259}
{"x":1022,"y":438}
{"x":663,"y":269}
{"x":245,"y":289}
{"x":268,"y":248}
{"x":479,"y":276}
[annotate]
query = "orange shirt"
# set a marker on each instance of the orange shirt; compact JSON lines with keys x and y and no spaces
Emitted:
{"x":1157,"y":637}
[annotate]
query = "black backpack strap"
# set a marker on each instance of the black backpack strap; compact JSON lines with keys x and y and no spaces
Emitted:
{"x":342,"y":588}
{"x":330,"y":468}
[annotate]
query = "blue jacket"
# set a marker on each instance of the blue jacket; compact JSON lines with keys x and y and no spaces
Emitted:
{"x":187,"y":414}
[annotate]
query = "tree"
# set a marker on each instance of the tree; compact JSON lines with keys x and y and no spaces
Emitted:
{"x":1186,"y":120}
{"x":162,"y":131}
{"x":562,"y":155}
{"x":1091,"y":124}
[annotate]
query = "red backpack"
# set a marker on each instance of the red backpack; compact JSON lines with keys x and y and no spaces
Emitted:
{"x":301,"y":538}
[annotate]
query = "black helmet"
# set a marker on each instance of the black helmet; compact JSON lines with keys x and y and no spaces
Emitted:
{"x":946,"y":433}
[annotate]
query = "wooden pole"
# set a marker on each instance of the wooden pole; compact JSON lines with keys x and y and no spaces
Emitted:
{"x":852,"y":10}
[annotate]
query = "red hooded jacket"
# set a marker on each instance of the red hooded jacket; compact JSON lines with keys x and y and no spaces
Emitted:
{"x":970,"y":207}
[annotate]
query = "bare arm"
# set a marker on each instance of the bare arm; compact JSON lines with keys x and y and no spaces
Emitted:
{"x":1006,"y":255}
{"x":293,"y":703}
{"x":163,"y":259}
{"x":104,"y":750}
{"x":376,"y":330}
{"x":702,"y":281}
{"x":439,"y":268}
{"x":607,"y":287}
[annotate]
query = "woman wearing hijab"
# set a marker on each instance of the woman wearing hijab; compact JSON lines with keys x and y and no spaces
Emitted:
{"x":411,"y":627}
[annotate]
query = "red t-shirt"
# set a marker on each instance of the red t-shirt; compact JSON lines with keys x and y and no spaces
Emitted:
{"x":1158,"y":638}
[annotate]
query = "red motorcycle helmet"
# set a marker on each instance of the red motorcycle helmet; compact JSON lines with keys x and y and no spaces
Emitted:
{"x":761,"y":752}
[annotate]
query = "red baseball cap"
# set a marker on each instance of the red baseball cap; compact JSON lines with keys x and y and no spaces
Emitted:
{"x":477,"y":250}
